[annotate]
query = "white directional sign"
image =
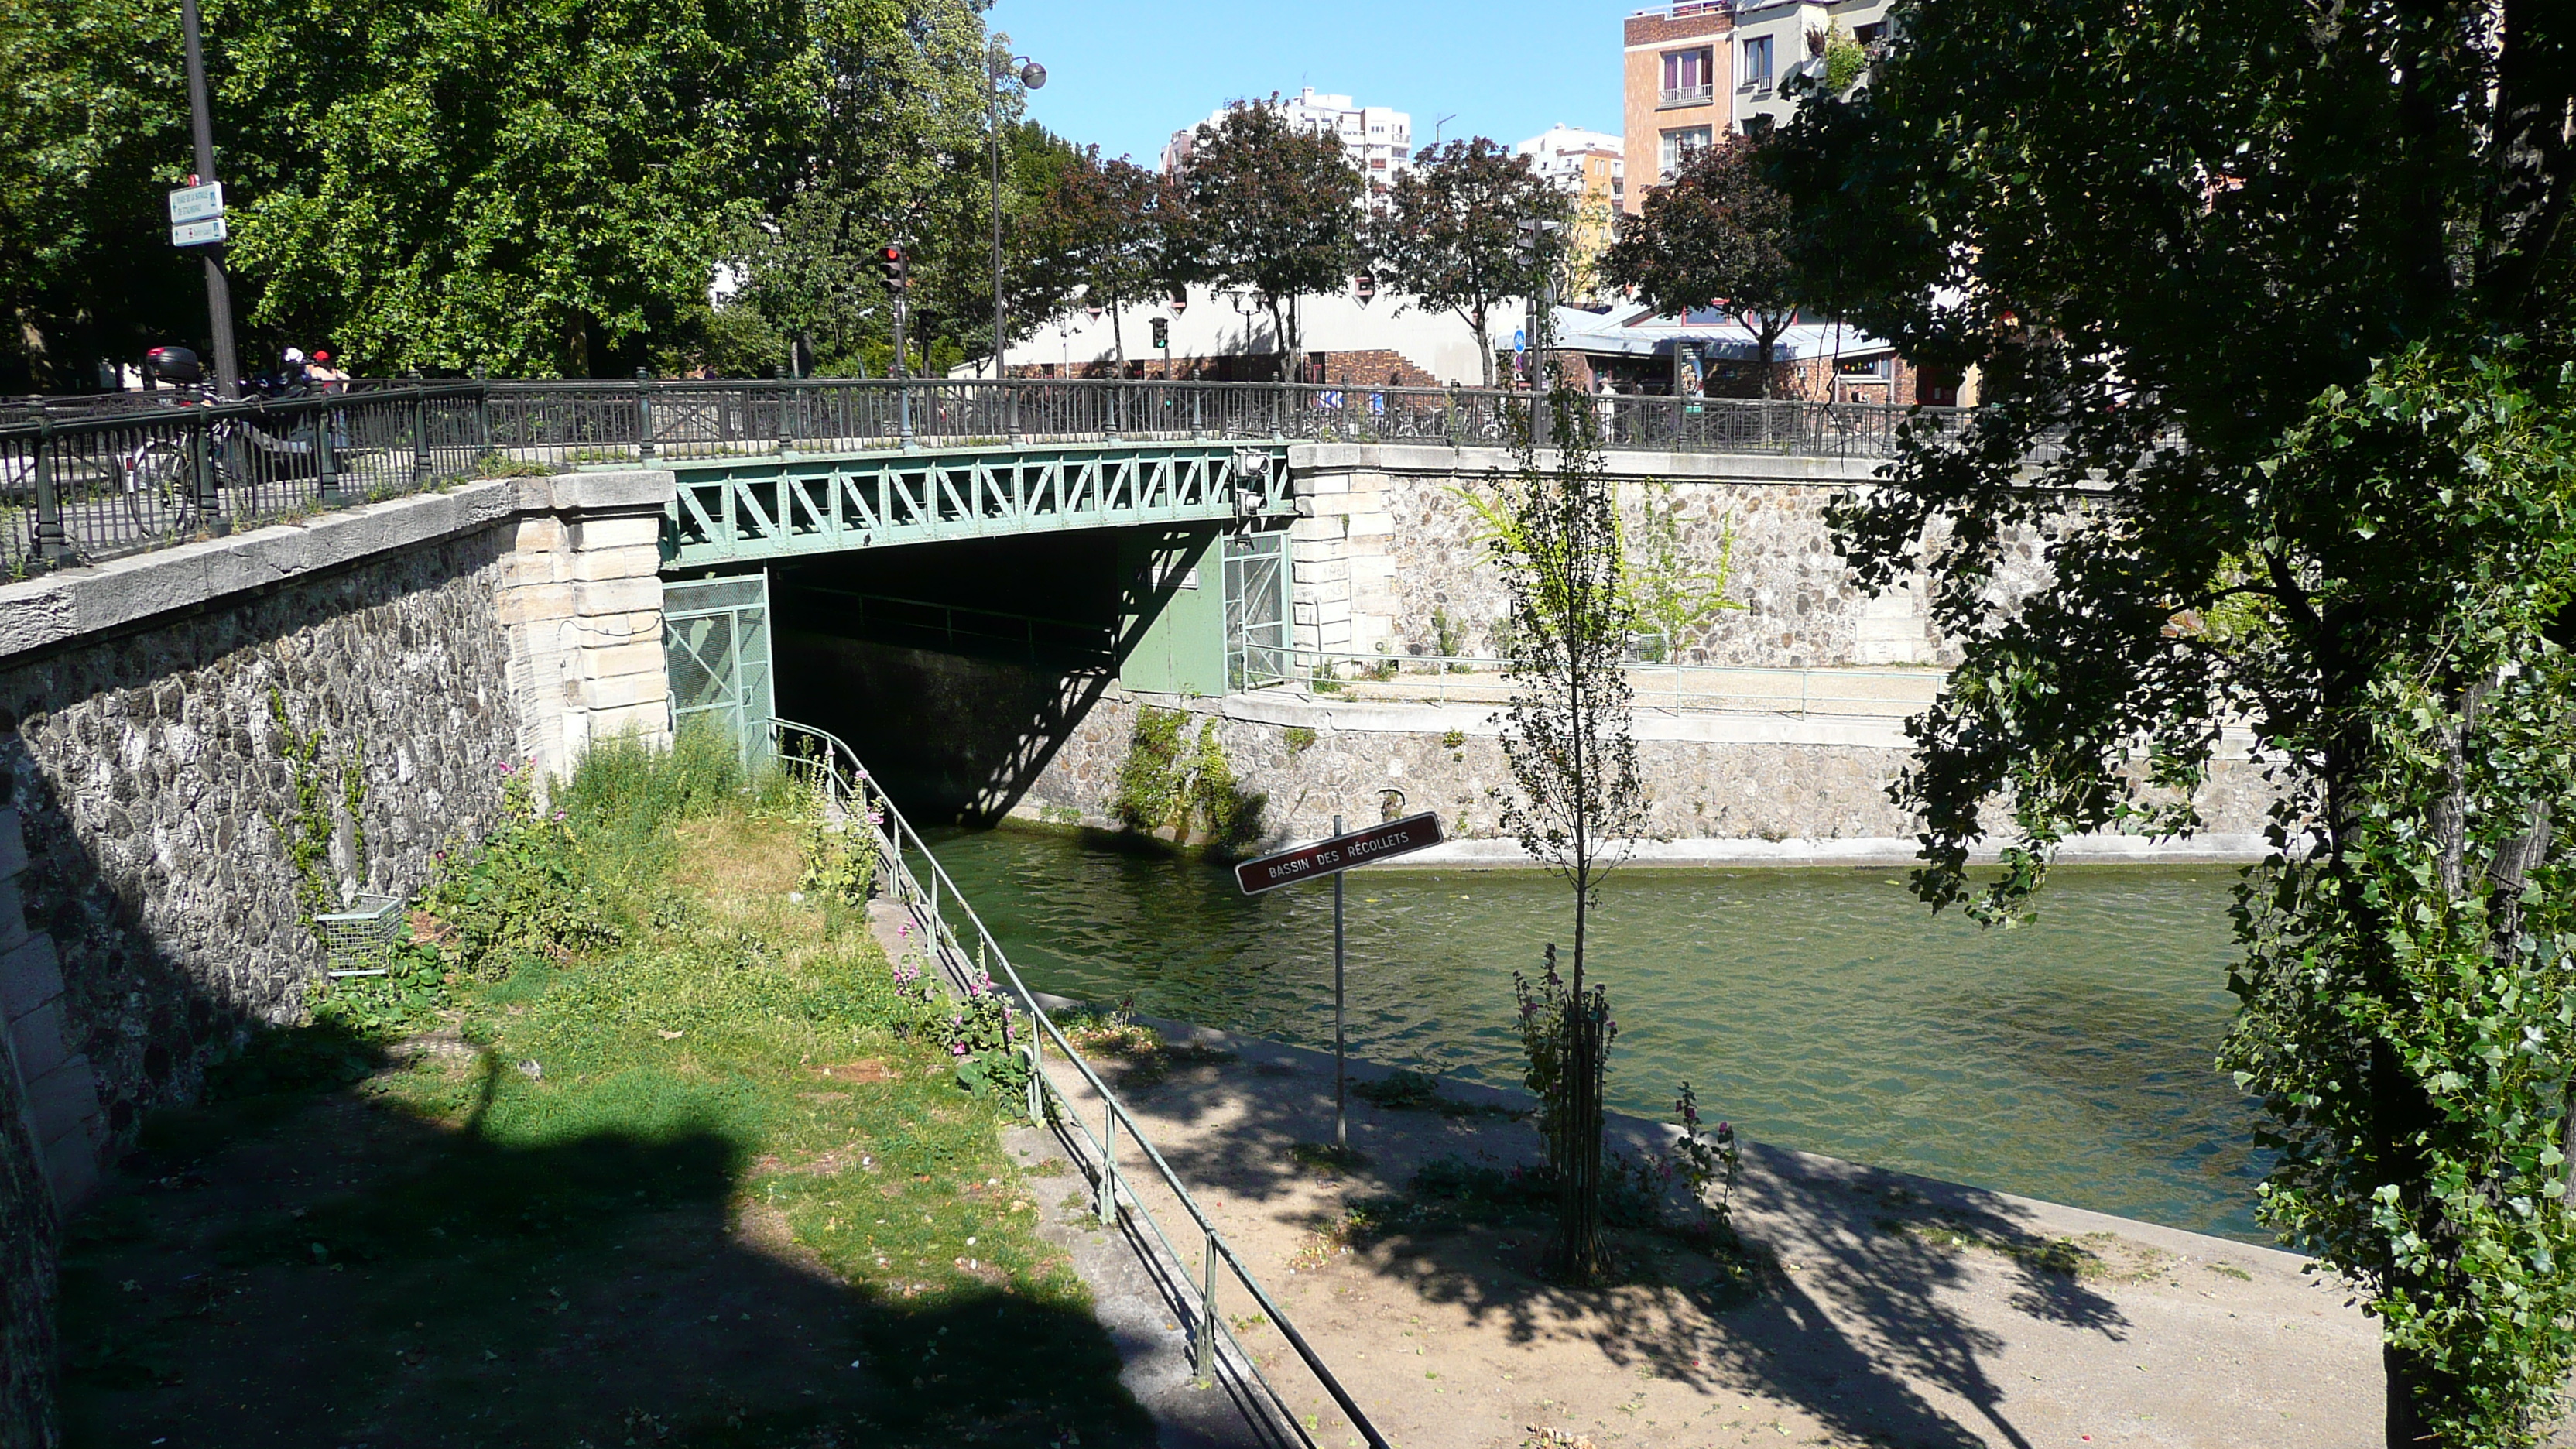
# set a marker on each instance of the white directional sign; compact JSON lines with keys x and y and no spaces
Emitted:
{"x":197,"y":203}
{"x":197,"y":233}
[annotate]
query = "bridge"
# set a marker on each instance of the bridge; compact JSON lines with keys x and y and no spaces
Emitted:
{"x":773,"y":468}
{"x":1158,"y":517}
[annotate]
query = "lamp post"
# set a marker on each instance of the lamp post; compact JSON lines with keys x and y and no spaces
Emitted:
{"x":1032,"y":76}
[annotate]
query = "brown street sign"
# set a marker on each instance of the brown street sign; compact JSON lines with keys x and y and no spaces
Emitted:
{"x":1341,"y":853}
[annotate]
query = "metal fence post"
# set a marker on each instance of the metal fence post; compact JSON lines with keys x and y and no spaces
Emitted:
{"x":643,"y":415}
{"x":482,"y":414}
{"x":1108,"y":1209}
{"x":420,"y":433}
{"x":1204,"y":1351}
{"x":326,"y":467}
{"x":53,"y":541}
{"x":1010,"y":400}
{"x":201,"y":457}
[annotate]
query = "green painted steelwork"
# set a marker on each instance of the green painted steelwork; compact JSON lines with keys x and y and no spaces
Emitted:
{"x":1172,"y":628}
{"x":733,"y":511}
{"x":715,"y":643}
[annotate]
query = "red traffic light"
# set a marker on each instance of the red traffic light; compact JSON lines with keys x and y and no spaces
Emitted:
{"x":896,"y":265}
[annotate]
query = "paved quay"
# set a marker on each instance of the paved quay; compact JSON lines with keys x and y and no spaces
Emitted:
{"x":1896,"y":1310}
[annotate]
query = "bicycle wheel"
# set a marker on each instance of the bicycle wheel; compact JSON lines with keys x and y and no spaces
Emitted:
{"x":161,"y":488}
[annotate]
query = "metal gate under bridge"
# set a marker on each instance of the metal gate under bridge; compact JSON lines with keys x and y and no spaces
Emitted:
{"x":715,"y":643}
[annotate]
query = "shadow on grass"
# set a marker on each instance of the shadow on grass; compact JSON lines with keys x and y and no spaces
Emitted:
{"x":300,"y":1263}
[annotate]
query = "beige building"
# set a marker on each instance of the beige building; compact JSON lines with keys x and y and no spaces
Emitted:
{"x":1695,"y":70}
{"x":1675,"y":90}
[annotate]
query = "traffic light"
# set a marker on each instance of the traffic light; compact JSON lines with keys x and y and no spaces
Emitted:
{"x":896,"y":265}
{"x":1162,"y":332}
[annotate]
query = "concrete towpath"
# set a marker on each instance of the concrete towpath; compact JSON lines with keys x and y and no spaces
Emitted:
{"x":1894,"y":1310}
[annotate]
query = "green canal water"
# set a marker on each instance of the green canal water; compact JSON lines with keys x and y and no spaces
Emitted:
{"x":1827,"y":1010}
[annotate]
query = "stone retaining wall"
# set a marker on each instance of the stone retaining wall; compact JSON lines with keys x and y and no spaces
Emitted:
{"x":1387,"y":549}
{"x":1711,"y":779}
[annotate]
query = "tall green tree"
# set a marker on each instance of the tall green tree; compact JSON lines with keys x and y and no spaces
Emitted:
{"x":530,"y":186}
{"x":1272,"y":208}
{"x":1450,"y":237}
{"x":2274,"y":345}
{"x":1717,"y":235}
{"x":93,"y":131}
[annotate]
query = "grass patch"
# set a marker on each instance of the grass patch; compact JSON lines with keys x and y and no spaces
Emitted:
{"x":1327,"y":1159}
{"x":703,"y":1180}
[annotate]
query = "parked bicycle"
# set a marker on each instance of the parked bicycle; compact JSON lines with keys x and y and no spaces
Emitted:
{"x":159,"y":476}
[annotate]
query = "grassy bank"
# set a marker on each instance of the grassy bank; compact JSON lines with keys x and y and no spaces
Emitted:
{"x":636,"y":1147}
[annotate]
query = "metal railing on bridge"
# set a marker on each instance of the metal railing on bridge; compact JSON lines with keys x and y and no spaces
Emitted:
{"x":921,"y":887}
{"x":91,"y":484}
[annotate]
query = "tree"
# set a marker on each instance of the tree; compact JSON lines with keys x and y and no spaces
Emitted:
{"x":1716,"y":235}
{"x":1269,"y":207}
{"x":1556,"y":538}
{"x":89,"y":141}
{"x":2290,"y":318}
{"x":1449,"y":235}
{"x":1102,"y":229}
{"x":538,"y":186}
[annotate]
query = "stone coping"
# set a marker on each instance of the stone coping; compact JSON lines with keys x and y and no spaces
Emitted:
{"x":1878,"y":851}
{"x":1707,"y":727}
{"x":1621,"y":463}
{"x":62,"y":607}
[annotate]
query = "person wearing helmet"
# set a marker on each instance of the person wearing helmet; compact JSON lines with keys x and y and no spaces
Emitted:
{"x":325,"y":376}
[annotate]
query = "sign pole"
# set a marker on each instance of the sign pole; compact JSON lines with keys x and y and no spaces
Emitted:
{"x":1341,"y":1125}
{"x":219,"y":291}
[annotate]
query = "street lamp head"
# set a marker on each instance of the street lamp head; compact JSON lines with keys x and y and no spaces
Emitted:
{"x":1033,"y":76}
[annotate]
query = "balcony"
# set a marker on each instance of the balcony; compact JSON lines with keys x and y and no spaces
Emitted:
{"x":1685,"y":96}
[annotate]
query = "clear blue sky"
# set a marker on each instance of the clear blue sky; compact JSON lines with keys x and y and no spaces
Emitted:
{"x":1125,"y":74}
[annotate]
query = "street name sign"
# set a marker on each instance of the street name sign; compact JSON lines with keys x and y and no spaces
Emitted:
{"x":197,"y":233}
{"x":197,"y":203}
{"x":1340,"y":853}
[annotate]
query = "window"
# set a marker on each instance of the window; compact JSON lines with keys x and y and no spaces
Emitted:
{"x":1757,"y":62}
{"x":1401,"y":153}
{"x":1689,"y":76}
{"x":1377,"y":163}
{"x":1679,"y":146}
{"x":1878,"y":365}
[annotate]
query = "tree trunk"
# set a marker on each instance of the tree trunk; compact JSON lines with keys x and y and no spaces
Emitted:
{"x":1769,"y":346}
{"x":1484,"y":345}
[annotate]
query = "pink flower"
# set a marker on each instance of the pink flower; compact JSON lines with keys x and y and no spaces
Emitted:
{"x":957,"y":1049}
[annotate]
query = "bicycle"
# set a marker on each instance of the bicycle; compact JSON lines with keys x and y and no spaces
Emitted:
{"x":159,"y":475}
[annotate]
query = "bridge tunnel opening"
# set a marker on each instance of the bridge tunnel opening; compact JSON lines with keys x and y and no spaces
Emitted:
{"x":958,"y":669}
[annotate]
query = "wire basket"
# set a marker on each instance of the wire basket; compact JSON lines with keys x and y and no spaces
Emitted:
{"x":357,"y":939}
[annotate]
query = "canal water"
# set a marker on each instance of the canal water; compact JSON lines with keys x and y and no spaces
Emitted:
{"x":2070,"y":1059}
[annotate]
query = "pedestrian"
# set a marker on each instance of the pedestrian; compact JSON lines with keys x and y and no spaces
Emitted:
{"x":325,"y":376}
{"x":291,"y":375}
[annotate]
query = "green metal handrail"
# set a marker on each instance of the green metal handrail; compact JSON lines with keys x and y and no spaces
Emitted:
{"x":831,"y":764}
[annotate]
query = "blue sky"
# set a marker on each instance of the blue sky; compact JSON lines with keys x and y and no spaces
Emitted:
{"x":1127,"y":73}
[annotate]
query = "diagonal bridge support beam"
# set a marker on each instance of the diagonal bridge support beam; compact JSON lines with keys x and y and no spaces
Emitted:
{"x":755,"y":510}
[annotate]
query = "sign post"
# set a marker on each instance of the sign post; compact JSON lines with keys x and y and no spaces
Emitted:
{"x":1333,"y":856}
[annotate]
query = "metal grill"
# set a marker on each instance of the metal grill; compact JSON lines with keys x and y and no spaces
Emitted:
{"x":357,"y":939}
{"x":715,"y":644}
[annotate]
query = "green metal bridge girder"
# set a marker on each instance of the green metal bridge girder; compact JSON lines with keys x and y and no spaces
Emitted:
{"x":754,"y":510}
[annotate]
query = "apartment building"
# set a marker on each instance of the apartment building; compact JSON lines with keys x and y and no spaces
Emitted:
{"x":1698,"y":69}
{"x":1676,"y":88}
{"x":1593,"y":167}
{"x":1377,"y":139}
{"x":1782,"y":38}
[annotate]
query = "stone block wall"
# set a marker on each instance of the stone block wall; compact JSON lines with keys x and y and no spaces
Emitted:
{"x":581,"y":597}
{"x":1387,"y":550}
{"x":1708,"y":778}
{"x":156,"y":775}
{"x":29,"y":1242}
